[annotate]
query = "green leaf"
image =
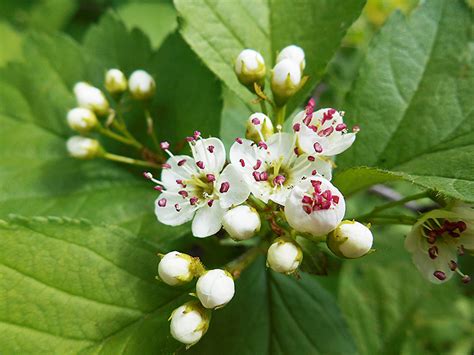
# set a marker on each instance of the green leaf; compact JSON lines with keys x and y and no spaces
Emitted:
{"x":11,"y":43}
{"x":277,"y":314}
{"x":231,"y":26}
{"x":413,"y":101}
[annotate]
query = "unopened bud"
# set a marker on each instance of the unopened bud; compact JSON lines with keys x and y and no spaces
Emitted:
{"x":250,"y":68}
{"x":83,"y":148}
{"x":141,"y":85}
{"x":294,"y":53}
{"x":241,"y":222}
{"x":286,"y":80}
{"x":284,"y":255}
{"x":259,"y":127}
{"x":92,"y":98}
{"x":189,"y":323}
{"x":215,"y":288}
{"x":115,"y":81}
{"x":81,"y":119}
{"x":176,"y":268}
{"x":350,"y":239}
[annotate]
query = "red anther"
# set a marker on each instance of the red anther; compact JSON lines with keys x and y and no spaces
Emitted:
{"x":335,"y":199}
{"x":296,"y":127}
{"x":176,"y":207}
{"x":341,"y":127}
{"x":181,"y":162}
{"x":190,"y":139}
{"x":432,"y":237}
{"x":355,"y":129}
{"x":180,"y":182}
{"x":314,"y":172}
{"x":433,"y":252}
{"x":452,"y":265}
{"x":327,"y":195}
{"x":255,"y":121}
{"x":307,"y":209}
{"x":264,"y":176}
{"x":158,"y":188}
{"x":193,"y":200}
{"x":210,"y":202}
{"x":317,"y":147}
{"x":242,"y":162}
{"x":262,"y":144}
{"x":454,"y":234}
{"x":210,"y":177}
{"x":164,"y":145}
{"x":147,"y":175}
{"x":225,"y":186}
{"x":327,"y":116}
{"x":461,"y":226}
{"x":196,"y":134}
{"x":162,"y":202}
{"x":256,"y":175}
{"x":296,"y":151}
{"x":165,"y":166}
{"x":307,"y":200}
{"x":210,"y":149}
{"x":466,"y":279}
{"x":311,"y":158}
{"x":325,"y":205}
{"x":313,"y":128}
{"x":331,"y":111}
{"x":307,"y":119}
{"x":257,"y":165}
{"x":316,"y":185}
{"x":311,"y":102}
{"x":200,"y":164}
{"x":183,"y":193}
{"x":278,"y":180}
{"x":439,"y":275}
{"x":239,"y":140}
{"x":326,"y":132}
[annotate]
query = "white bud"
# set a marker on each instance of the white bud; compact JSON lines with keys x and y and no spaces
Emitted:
{"x":215,"y":288}
{"x":284,"y":256}
{"x":92,"y":98}
{"x":315,"y":206}
{"x":176,"y":268}
{"x":82,"y":147}
{"x":250,"y":67}
{"x":115,"y":81}
{"x":241,"y":222}
{"x":350,"y":239}
{"x":81,"y":119}
{"x":141,"y":85}
{"x":286,"y":80}
{"x":293,"y":53}
{"x":189,"y":323}
{"x":259,"y":127}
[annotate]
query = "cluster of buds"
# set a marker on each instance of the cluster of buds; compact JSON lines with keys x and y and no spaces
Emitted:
{"x":214,"y":289}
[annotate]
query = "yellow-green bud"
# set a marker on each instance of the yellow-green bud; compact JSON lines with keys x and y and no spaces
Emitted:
{"x":141,"y":85}
{"x":83,"y":148}
{"x":350,"y":240}
{"x":82,"y":119}
{"x":189,"y":323}
{"x":286,"y":80}
{"x":250,"y":68}
{"x":115,"y":81}
{"x":284,"y":255}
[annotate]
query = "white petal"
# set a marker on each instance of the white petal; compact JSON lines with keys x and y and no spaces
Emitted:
{"x":306,"y":139}
{"x":305,"y":168}
{"x":213,"y":162}
{"x":280,"y":195}
{"x":238,"y":188}
{"x":168,"y":214}
{"x":280,"y":145}
{"x":248,"y":151}
{"x":428,"y":266}
{"x":176,"y":172}
{"x":208,"y":220}
{"x":338,"y":144}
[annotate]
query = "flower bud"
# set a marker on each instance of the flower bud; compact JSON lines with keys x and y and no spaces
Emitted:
{"x":83,"y":148}
{"x":115,"y":81}
{"x":92,"y":98}
{"x":259,"y":127}
{"x":81,"y":119}
{"x":176,"y":268}
{"x":250,"y":68}
{"x":315,"y":206}
{"x":350,"y":239}
{"x":286,"y":80}
{"x":189,"y":323}
{"x":241,"y":222}
{"x":215,"y":288}
{"x":294,"y":53}
{"x":284,"y":255}
{"x":141,"y":85}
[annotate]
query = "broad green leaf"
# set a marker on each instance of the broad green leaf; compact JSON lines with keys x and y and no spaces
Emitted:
{"x":413,"y":100}
{"x":11,"y":43}
{"x":277,"y":314}
{"x":231,"y":26}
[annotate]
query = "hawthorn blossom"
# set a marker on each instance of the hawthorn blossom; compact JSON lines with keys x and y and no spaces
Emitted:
{"x":271,"y":168}
{"x":198,"y":188}
{"x":438,"y":238}
{"x":322,"y":132}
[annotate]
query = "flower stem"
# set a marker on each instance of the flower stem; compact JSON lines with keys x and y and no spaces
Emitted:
{"x":128,"y":160}
{"x":263,"y":107}
{"x":389,"y":219}
{"x":107,"y":132}
{"x":280,"y":113}
{"x":150,"y":128}
{"x":236,"y":266}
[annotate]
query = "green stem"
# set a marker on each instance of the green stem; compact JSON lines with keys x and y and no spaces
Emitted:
{"x":236,"y":266}
{"x":118,"y":137}
{"x":263,"y":107}
{"x":256,"y":203}
{"x":389,"y":219}
{"x":151,"y":130}
{"x":128,"y":160}
{"x":280,"y":113}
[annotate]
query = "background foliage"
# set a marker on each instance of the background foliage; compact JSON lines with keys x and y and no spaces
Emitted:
{"x":80,"y":278}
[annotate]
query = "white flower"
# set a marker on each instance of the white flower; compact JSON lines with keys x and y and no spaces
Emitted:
{"x":115,"y":81}
{"x":437,"y":239}
{"x":350,"y":239}
{"x":286,"y":80}
{"x":141,"y":85}
{"x":293,"y":53}
{"x":241,"y":222}
{"x":92,"y":98}
{"x":250,"y":67}
{"x":315,"y":206}
{"x":189,"y":323}
{"x":322,"y":132}
{"x":258,"y":125}
{"x":176,"y":268}
{"x":284,"y":256}
{"x":82,"y":147}
{"x":197,"y":187}
{"x":215,"y":288}
{"x":271,"y":168}
{"x":81,"y":119}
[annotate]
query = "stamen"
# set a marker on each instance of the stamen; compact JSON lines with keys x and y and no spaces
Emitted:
{"x":181,"y":162}
{"x":296,"y":127}
{"x":183,"y":193}
{"x":439,"y":275}
{"x":158,"y":188}
{"x":466,"y":279}
{"x":200,"y":164}
{"x":335,"y":199}
{"x":193,"y":200}
{"x":210,"y":149}
{"x":264,"y":176}
{"x":255,"y":121}
{"x":311,"y":158}
{"x":162,"y":202}
{"x":165,"y":145}
{"x":242,"y":162}
{"x":307,"y":209}
{"x":196,"y":135}
{"x":317,"y":147}
{"x":257,"y":165}
{"x":461,"y":250}
{"x":355,"y":129}
{"x":452,"y":265}
{"x":165,"y":166}
{"x":340,"y":127}
{"x":296,"y":151}
{"x":239,"y":140}
{"x":307,"y":200}
{"x":210,"y":203}
{"x":190,"y":139}
{"x":256,"y":175}
{"x":225,"y":186}
{"x":177,"y":208}
{"x":326,"y":132}
{"x":262,"y":144}
{"x":314,"y":172}
{"x":433,"y":252}
{"x":149,"y":176}
{"x":210,"y":177}
{"x":279,"y":180}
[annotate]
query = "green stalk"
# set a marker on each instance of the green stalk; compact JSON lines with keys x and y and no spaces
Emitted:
{"x":127,"y":160}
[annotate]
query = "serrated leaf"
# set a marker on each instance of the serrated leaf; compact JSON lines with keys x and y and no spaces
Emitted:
{"x":413,"y":100}
{"x":231,"y":26}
